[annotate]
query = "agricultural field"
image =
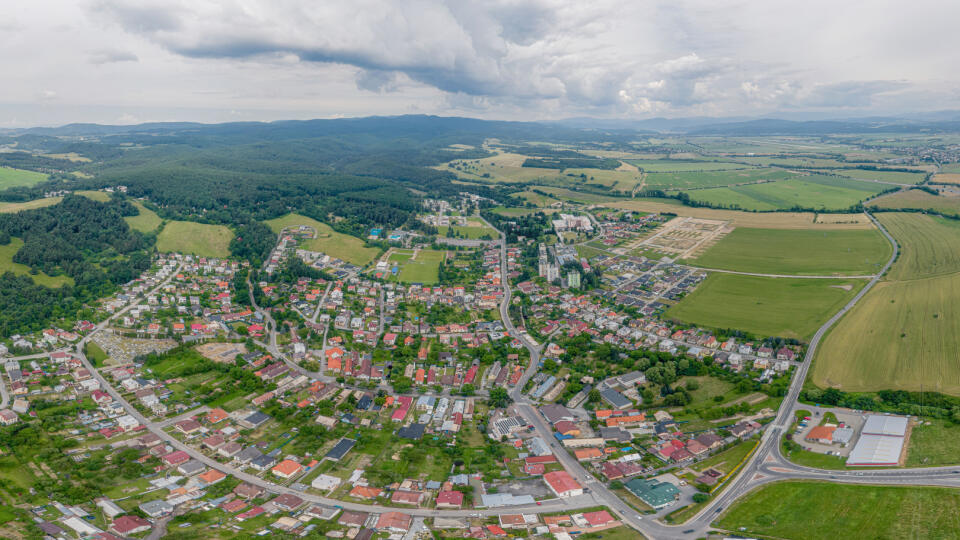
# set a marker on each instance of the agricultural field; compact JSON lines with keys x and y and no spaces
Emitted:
{"x":501,"y":168}
{"x":195,"y":238}
{"x":797,"y":161}
{"x":904,"y":334}
{"x":146,"y":221}
{"x":680,"y":165}
{"x":7,"y":265}
{"x":800,"y":252}
{"x":809,"y":192}
{"x":101,"y":196}
{"x":894,"y":177}
{"x":422,"y":266}
{"x":12,"y":207}
{"x":947,"y":178}
{"x":618,"y":180}
{"x":18,"y":177}
{"x":951,"y":168}
{"x":706,"y":179}
{"x":333,"y":243}
{"x":784,"y":307}
{"x":946,"y":202}
{"x":777,"y":220}
{"x":790,"y":510}
{"x":535,"y":198}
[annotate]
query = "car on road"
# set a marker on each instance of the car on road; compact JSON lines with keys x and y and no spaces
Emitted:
{"x":539,"y":503}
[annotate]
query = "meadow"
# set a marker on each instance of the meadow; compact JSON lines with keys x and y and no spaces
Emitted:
{"x":195,"y":238}
{"x":784,"y":307}
{"x":7,"y":265}
{"x":797,"y":251}
{"x":797,"y":510}
{"x":18,"y":177}
{"x":333,"y":243}
{"x":146,"y":221}
{"x":809,"y":192}
{"x":100,"y":196}
{"x":422,"y":268}
{"x":12,"y":207}
{"x":905,"y":333}
{"x":705,"y":179}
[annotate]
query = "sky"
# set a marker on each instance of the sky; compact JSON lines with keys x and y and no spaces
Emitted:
{"x":132,"y":61}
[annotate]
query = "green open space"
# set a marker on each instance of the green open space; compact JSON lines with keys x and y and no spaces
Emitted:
{"x":195,"y":239}
{"x":333,"y":243}
{"x":816,"y":191}
{"x":784,"y":307}
{"x":7,"y":265}
{"x":146,"y":221}
{"x":422,"y":268}
{"x":895,"y":177}
{"x":101,"y":196}
{"x":705,"y":179}
{"x":683,"y":165}
{"x":18,"y":177}
{"x":903,"y":334}
{"x":946,"y":203}
{"x":798,"y":251}
{"x":13,"y":207}
{"x":796,"y":510}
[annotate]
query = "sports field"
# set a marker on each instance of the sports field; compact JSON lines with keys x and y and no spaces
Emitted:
{"x":7,"y":265}
{"x":687,"y":180}
{"x":784,"y":307}
{"x":914,"y":198}
{"x":905,"y":333}
{"x":827,"y":511}
{"x":799,"y":252}
{"x":19,"y":177}
{"x":809,"y":192}
{"x":12,"y":207}
{"x":420,"y":268}
{"x":333,"y":243}
{"x":195,"y":239}
{"x":146,"y":221}
{"x":475,"y":228}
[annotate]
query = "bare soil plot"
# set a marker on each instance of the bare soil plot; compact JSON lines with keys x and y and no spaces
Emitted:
{"x":222,"y":352}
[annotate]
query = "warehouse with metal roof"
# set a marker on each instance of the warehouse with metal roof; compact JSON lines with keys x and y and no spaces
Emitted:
{"x":881,"y":441}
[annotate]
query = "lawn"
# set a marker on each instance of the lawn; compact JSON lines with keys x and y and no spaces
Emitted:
{"x":424,"y":268}
{"x":195,"y":239}
{"x":333,"y":243}
{"x":728,"y":459}
{"x":18,"y":177}
{"x":784,"y":307}
{"x":146,"y":221}
{"x":915,"y":198}
{"x":705,"y":179}
{"x":903,"y":334}
{"x":707,"y":388}
{"x":474,"y":229}
{"x":816,"y":510}
{"x":933,"y":445}
{"x":12,"y":207}
{"x":6,"y":264}
{"x":818,"y":192}
{"x":802,"y":252}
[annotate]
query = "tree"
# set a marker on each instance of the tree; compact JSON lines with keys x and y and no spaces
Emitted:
{"x":700,"y":498}
{"x":594,"y":396}
{"x":499,"y":398}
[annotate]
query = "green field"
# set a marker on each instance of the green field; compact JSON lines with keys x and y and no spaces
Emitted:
{"x":687,"y":180}
{"x":915,"y":198}
{"x":895,"y":177}
{"x":146,"y":221}
{"x":475,"y":228}
{"x":195,"y":239}
{"x":101,"y":196}
{"x":333,"y":243}
{"x":818,"y":192}
{"x":12,"y":207}
{"x":17,"y":177}
{"x":904,"y":333}
{"x":933,"y":445}
{"x":7,"y":265}
{"x":824,"y":511}
{"x":681,"y":165}
{"x":797,"y":251}
{"x":785,"y":307}
{"x":424,"y":268}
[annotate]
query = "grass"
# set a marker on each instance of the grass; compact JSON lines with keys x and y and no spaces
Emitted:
{"x":707,"y":388}
{"x":791,"y":510}
{"x":894,"y":177}
{"x":146,"y":221}
{"x":696,"y":179}
{"x":804,"y":252}
{"x":7,"y":265}
{"x":677,"y":165}
{"x":728,"y":459}
{"x":424,"y":268}
{"x":784,"y":307}
{"x":818,"y":192}
{"x":18,"y":177}
{"x":12,"y":207}
{"x":933,"y":445}
{"x":902,"y":334}
{"x":474,"y":229}
{"x":946,"y":203}
{"x":947,"y":178}
{"x":95,"y":354}
{"x":333,"y":243}
{"x":101,"y":196}
{"x":195,"y":239}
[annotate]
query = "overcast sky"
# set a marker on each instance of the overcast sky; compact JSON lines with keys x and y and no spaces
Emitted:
{"x":120,"y":61}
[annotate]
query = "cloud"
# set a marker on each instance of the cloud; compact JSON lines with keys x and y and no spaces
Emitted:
{"x":110,"y":56}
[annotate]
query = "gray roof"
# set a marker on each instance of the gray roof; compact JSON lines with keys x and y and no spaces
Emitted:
{"x":504,"y":499}
{"x":256,"y":418}
{"x":413,"y":431}
{"x":555,"y":412}
{"x":191,"y":467}
{"x":157,"y":507}
{"x":895,"y":426}
{"x":340,"y":449}
{"x":615,"y":399}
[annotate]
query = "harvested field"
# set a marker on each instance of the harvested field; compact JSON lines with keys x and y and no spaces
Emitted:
{"x":947,"y":202}
{"x":947,"y":178}
{"x":773,"y":220}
